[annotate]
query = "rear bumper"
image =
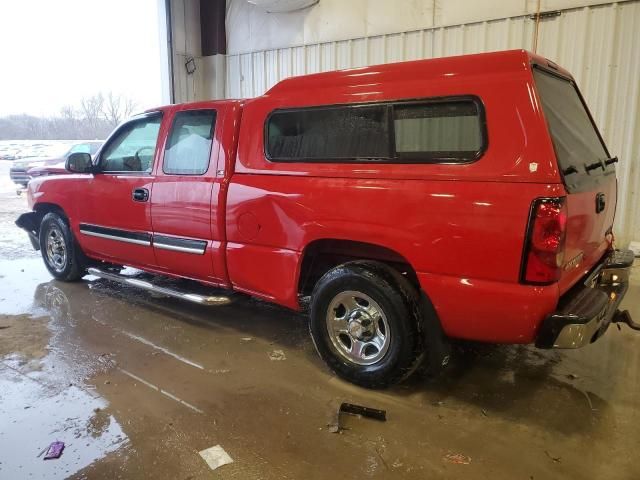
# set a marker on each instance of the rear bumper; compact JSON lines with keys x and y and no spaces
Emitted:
{"x":585,"y":312}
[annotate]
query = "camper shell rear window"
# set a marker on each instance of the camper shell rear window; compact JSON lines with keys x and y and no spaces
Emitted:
{"x":582,"y":155}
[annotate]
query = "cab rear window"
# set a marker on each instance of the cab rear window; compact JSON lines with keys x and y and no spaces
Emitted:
{"x":581,"y":153}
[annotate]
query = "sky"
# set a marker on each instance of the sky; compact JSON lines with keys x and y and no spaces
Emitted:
{"x":54,"y":52}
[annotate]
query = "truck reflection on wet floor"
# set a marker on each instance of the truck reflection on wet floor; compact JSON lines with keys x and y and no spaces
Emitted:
{"x":502,"y":379}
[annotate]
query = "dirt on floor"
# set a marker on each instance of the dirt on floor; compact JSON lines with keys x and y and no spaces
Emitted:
{"x":137,"y":385}
{"x":24,"y":336}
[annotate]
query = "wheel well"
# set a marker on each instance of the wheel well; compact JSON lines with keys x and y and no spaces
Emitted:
{"x":41,"y":209}
{"x":320,"y":256}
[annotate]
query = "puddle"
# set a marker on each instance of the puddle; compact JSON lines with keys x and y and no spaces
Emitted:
{"x":33,"y":414}
{"x":17,"y":286}
{"x":45,"y":389}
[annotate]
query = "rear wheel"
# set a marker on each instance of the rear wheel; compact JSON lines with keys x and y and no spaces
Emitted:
{"x":365,"y":323}
{"x":60,"y":253}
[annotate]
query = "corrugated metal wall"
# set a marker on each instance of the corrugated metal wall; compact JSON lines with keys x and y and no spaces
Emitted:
{"x":185,"y":21}
{"x":600,"y":45}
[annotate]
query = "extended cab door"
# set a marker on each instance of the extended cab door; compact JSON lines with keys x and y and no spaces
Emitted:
{"x":113,"y":211}
{"x":185,"y":198}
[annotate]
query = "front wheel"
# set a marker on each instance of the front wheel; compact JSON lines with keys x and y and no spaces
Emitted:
{"x":60,"y":253}
{"x":365,"y":323}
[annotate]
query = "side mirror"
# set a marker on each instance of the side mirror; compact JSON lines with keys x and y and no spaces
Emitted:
{"x":79,"y":162}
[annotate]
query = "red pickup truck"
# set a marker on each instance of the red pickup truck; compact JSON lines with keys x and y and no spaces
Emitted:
{"x":469,"y":197}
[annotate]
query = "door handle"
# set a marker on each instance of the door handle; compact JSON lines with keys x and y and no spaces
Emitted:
{"x":140,"y":195}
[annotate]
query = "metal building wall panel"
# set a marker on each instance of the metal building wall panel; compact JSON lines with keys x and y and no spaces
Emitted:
{"x":343,"y":54}
{"x":394,"y":50}
{"x":299,"y":61}
{"x":272,"y":64}
{"x":247,"y":87}
{"x":359,"y":52}
{"x":414,"y":45}
{"x":598,"y":44}
{"x":623,"y":116}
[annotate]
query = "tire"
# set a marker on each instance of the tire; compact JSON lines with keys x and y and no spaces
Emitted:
{"x":61,"y":254}
{"x":365,"y":324}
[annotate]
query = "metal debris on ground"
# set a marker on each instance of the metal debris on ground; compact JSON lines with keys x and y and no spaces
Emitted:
{"x":277,"y":355}
{"x":457,"y":458}
{"x":54,"y":451}
{"x":247,"y":339}
{"x":555,"y":459}
{"x":215,"y":457}
{"x":572,"y":376}
{"x":334,"y":428}
{"x":364,"y":411}
{"x":107,"y":360}
{"x":591,"y":407}
{"x":359,"y":410}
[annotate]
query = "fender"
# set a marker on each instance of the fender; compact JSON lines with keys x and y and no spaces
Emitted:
{"x":44,"y":195}
{"x":59,"y":190}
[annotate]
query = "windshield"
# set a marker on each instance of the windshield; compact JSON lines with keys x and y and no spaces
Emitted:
{"x":579,"y":149}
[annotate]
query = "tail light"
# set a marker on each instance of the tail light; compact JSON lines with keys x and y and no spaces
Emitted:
{"x":544,"y":245}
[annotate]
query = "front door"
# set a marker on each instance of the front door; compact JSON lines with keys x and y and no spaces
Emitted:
{"x":115,"y":214}
{"x":181,"y":203}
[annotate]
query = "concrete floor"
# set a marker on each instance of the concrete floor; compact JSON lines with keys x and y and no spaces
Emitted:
{"x":136,"y":386}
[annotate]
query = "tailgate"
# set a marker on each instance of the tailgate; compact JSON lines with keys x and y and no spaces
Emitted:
{"x":588,"y":172}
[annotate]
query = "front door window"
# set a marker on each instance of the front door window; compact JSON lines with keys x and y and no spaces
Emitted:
{"x":133,"y":147}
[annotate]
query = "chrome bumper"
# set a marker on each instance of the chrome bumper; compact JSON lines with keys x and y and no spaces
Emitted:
{"x":585,"y":312}
{"x":19,"y":176}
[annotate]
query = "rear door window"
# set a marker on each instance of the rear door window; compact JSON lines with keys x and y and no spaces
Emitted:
{"x":581,"y":153}
{"x":189,"y":146}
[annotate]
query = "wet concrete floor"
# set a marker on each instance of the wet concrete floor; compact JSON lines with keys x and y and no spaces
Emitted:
{"x":136,"y":386}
